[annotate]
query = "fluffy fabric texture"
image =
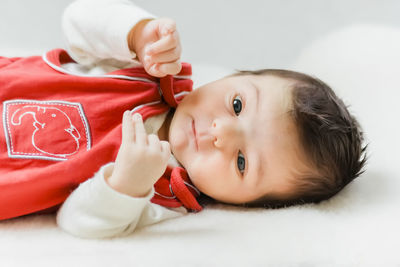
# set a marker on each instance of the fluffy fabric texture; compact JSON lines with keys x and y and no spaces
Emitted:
{"x":358,"y":227}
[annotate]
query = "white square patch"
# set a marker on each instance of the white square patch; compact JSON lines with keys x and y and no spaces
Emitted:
{"x":51,"y":130}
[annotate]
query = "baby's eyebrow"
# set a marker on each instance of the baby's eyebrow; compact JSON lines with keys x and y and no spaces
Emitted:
{"x":257,"y":92}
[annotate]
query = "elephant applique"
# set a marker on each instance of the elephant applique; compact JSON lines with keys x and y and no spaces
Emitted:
{"x":53,"y":133}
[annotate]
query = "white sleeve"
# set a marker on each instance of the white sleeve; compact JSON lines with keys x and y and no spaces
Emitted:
{"x":95,"y":30}
{"x":95,"y":210}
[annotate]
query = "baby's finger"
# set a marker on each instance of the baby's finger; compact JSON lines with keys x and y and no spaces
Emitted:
{"x":154,"y":142}
{"x":140,"y":132}
{"x":127,"y":127}
{"x":164,"y":44}
{"x":166,"y":26}
{"x":170,"y":68}
{"x":154,"y":71}
{"x":164,"y":57}
{"x":165,"y":149}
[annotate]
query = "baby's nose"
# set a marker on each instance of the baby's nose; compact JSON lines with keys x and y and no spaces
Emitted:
{"x":225,"y":133}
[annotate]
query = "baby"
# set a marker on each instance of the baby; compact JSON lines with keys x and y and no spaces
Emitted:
{"x":265,"y":138}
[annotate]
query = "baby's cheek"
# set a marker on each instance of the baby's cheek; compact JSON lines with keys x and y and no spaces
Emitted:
{"x":178,"y":139}
{"x":207,"y":171}
{"x":198,"y":172}
{"x":179,"y":145}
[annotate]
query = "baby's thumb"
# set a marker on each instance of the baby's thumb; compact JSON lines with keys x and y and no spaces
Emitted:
{"x":166,"y":26}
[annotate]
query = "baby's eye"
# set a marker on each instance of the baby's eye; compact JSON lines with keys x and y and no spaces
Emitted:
{"x":241,"y":162}
{"x":237,"y":105}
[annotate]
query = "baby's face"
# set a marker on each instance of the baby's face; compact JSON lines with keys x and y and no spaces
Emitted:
{"x":235,"y":139}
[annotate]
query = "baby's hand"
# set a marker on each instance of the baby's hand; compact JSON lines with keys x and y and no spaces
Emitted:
{"x":141,"y":159}
{"x":157,"y":45}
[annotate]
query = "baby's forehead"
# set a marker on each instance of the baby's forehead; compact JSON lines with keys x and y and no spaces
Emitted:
{"x":266,"y":81}
{"x":270,"y":81}
{"x":274,"y":91}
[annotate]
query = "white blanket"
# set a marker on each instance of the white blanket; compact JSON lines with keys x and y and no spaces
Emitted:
{"x":358,"y":227}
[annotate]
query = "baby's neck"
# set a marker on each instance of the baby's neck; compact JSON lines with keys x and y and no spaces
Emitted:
{"x":163,"y":132}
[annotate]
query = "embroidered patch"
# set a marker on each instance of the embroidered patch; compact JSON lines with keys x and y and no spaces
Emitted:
{"x":52,"y":130}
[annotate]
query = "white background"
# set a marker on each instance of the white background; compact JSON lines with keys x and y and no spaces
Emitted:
{"x":235,"y":34}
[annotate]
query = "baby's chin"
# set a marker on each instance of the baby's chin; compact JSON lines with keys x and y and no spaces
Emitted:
{"x":182,"y":164}
{"x":175,"y":161}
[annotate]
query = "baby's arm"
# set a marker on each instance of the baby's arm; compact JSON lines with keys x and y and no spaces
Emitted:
{"x":95,"y":210}
{"x":117,"y":199}
{"x":97,"y":30}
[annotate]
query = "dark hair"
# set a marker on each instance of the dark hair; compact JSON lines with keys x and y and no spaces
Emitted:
{"x":329,"y":135}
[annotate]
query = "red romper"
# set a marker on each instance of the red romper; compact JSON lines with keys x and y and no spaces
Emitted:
{"x":58,"y":129}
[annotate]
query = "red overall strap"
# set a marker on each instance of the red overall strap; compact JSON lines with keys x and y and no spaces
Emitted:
{"x":172,"y":88}
{"x":174,"y":190}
